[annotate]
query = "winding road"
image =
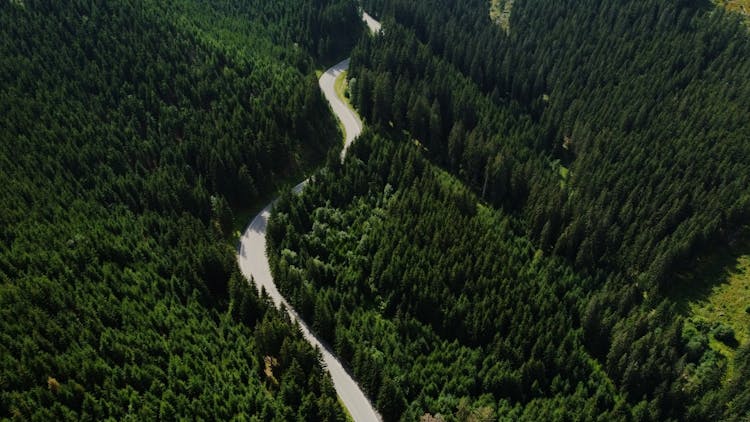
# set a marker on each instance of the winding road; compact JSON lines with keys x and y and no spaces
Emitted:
{"x":251,"y":254}
{"x":350,"y":120}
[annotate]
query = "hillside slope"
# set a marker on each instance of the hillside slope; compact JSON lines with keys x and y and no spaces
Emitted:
{"x":129,"y":130}
{"x":616,"y":134}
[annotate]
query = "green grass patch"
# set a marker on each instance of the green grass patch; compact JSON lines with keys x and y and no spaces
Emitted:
{"x":728,"y":301}
{"x":715,"y":294}
{"x":340,"y":86}
{"x":564,"y":172}
{"x":739,"y":6}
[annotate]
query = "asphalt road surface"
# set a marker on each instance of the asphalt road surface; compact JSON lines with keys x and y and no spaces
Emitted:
{"x":347,"y":116}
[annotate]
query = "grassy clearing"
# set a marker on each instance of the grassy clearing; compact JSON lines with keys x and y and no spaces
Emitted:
{"x":740,"y":6}
{"x":500,"y":13}
{"x":716,"y":292}
{"x":730,"y":300}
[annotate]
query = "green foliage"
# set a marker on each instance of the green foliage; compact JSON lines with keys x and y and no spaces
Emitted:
{"x":588,"y":153}
{"x":436,"y":298}
{"x":637,"y":106}
{"x":724,"y":334}
{"x":128,"y":130}
{"x":643,"y":102}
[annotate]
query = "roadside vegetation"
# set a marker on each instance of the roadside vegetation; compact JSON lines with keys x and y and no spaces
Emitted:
{"x":340,"y":86}
{"x":715,"y":299}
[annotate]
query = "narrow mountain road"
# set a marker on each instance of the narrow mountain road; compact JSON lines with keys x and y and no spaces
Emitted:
{"x":350,"y":120}
{"x":251,"y":255}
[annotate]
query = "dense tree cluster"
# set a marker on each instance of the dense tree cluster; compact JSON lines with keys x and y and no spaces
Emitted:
{"x":613,"y":133}
{"x":502,"y":245}
{"x":645,"y":107}
{"x":325,"y":29}
{"x":436,"y":303}
{"x":128,"y":131}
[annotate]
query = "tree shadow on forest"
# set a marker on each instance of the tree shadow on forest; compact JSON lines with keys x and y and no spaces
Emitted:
{"x":697,"y":4}
{"x":697,"y":281}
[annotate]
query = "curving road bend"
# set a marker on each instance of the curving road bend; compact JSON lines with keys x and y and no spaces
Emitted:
{"x":251,"y":255}
{"x":350,"y":120}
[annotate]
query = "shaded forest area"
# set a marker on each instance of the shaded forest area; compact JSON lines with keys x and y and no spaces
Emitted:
{"x":129,"y":130}
{"x":610,"y":136}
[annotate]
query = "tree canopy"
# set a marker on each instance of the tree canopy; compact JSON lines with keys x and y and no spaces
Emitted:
{"x":129,"y":130}
{"x":607,"y":139}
